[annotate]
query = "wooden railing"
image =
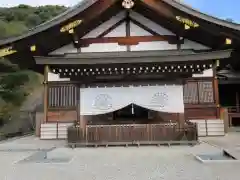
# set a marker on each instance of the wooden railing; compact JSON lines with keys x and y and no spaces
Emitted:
{"x":131,"y":134}
{"x":233,"y":109}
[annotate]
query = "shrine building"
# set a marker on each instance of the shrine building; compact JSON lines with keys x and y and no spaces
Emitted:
{"x":140,"y":67}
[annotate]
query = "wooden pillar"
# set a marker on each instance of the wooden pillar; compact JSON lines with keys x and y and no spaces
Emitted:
{"x":181,"y":116}
{"x":82,"y":119}
{"x":216,"y":89}
{"x":181,"y":119}
{"x":45,"y":83}
{"x":237,"y":101}
{"x":216,"y":95}
{"x":78,"y":104}
{"x":225,"y":119}
{"x":179,"y":43}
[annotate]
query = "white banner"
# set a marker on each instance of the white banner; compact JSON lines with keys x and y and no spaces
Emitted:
{"x":166,"y":98}
{"x":95,"y":101}
{"x":160,"y":98}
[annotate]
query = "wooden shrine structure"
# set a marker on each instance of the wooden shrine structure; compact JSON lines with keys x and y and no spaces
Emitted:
{"x":128,"y":43}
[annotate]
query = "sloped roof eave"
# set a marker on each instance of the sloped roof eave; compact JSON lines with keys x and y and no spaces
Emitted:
{"x":84,"y":4}
{"x":189,"y":10}
{"x":134,"y":57}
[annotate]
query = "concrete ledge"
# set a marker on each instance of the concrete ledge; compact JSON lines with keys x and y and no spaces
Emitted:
{"x":215,"y":161}
{"x":135,"y":143}
{"x":15,"y":138}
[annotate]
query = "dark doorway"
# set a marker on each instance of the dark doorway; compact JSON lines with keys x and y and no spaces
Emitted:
{"x":236,"y":121}
{"x":131,"y":113}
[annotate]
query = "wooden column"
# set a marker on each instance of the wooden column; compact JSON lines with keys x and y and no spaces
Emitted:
{"x":216,"y":89}
{"x":179,"y":43}
{"x":181,"y":116}
{"x":45,"y":83}
{"x":78,"y":104}
{"x":82,"y":118}
{"x":216,"y":95}
{"x":181,"y":119}
{"x":225,"y":119}
{"x":128,"y":31}
{"x":237,"y":101}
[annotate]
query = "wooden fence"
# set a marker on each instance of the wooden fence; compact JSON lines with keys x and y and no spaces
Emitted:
{"x":132,"y":134}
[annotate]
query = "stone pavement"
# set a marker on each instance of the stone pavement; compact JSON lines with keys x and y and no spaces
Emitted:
{"x":112,"y":163}
{"x":29,"y":143}
{"x":230,"y":142}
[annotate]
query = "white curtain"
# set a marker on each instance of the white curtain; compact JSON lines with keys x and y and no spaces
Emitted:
{"x":94,"y":101}
{"x":162,"y":98}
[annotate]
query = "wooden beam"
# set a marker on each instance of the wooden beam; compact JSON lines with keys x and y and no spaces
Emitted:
{"x":128,"y":30}
{"x":126,"y":79}
{"x":75,"y":40}
{"x":133,"y":40}
{"x":171,"y":57}
{"x":111,"y":28}
{"x":144,"y":27}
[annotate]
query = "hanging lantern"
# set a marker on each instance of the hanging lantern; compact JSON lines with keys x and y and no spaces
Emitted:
{"x":127,"y":4}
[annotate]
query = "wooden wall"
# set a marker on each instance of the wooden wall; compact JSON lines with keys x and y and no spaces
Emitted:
{"x":199,"y":99}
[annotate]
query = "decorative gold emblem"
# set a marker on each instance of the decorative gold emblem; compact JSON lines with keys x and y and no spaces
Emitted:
{"x":71,"y":31}
{"x":70,"y":26}
{"x":128,"y":4}
{"x":228,"y":41}
{"x":160,"y":99}
{"x":7,"y":51}
{"x":187,"y":22}
{"x":33,"y":48}
{"x":103,"y":102}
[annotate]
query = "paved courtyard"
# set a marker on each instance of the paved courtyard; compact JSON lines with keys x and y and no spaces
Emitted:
{"x":31,"y":159}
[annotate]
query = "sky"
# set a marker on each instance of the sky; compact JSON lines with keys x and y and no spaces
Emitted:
{"x":219,"y":8}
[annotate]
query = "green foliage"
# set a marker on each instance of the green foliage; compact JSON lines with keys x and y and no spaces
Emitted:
{"x":16,"y":20}
{"x":15,"y":86}
{"x":15,"y":83}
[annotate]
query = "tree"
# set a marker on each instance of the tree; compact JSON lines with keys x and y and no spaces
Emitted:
{"x":33,"y":20}
{"x":3,"y":29}
{"x":16,"y":20}
{"x":16,"y":83}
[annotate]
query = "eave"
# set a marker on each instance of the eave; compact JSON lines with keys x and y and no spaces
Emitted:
{"x":95,"y":12}
{"x":85,"y":4}
{"x":193,"y":12}
{"x":133,"y":57}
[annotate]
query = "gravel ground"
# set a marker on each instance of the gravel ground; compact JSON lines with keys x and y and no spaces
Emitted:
{"x":113,"y":163}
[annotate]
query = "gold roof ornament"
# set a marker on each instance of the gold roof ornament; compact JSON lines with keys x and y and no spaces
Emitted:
{"x":33,"y":48}
{"x":7,"y":51}
{"x":217,"y":63}
{"x":228,"y":41}
{"x":186,"y":27}
{"x":187,"y":22}
{"x":128,"y":4}
{"x":70,"y":26}
{"x":71,"y":31}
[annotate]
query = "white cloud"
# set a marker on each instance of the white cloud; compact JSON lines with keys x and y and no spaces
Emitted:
{"x":9,"y":3}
